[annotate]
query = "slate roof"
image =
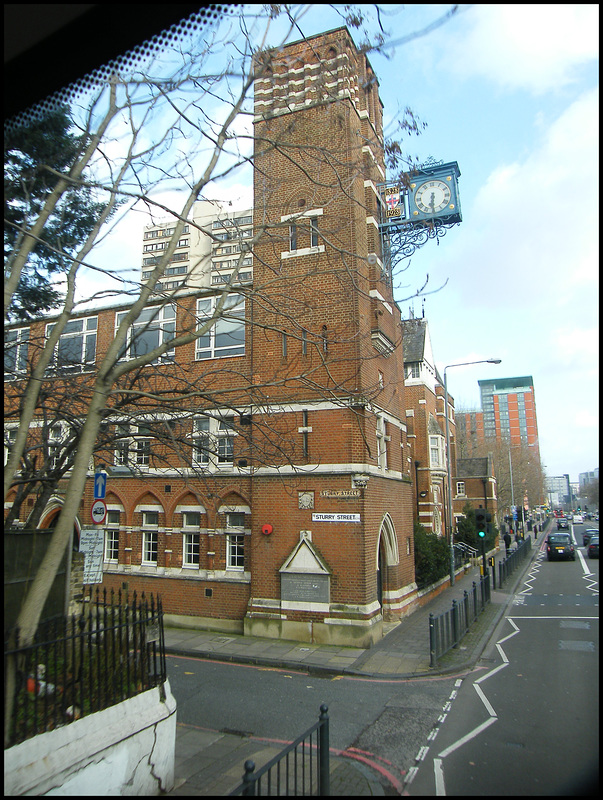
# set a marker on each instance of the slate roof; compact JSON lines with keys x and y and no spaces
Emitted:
{"x":473,"y":467}
{"x":413,"y":332}
{"x":414,"y":339}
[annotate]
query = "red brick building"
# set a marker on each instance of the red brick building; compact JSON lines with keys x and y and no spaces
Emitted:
{"x":426,"y":426}
{"x":284,"y":506}
{"x":508,"y":414}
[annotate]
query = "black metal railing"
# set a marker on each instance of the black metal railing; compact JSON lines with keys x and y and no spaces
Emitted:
{"x":515,"y":557}
{"x":302,"y":768}
{"x":447,"y":629}
{"x":463,"y":554}
{"x":78,"y":665}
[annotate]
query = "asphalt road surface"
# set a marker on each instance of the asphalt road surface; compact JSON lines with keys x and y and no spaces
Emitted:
{"x":529,"y":724}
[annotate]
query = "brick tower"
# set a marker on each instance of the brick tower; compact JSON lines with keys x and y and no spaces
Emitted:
{"x":335,"y":553}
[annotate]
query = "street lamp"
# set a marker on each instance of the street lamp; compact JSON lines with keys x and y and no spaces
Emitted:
{"x":448,"y":469}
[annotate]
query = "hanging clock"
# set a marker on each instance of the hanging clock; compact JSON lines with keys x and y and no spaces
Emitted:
{"x":434,"y":194}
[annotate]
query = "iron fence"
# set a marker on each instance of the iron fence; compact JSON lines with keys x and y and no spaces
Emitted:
{"x":515,"y":557}
{"x":447,"y":629}
{"x":302,"y":768}
{"x":78,"y":665}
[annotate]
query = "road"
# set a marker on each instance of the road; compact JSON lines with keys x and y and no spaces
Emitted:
{"x":525,"y":721}
{"x":385,"y":722}
{"x":529,"y":724}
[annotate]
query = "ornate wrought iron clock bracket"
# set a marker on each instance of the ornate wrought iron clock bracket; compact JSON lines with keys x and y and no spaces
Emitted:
{"x":422,"y":207}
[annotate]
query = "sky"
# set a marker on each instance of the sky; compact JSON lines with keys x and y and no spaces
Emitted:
{"x":510,"y":92}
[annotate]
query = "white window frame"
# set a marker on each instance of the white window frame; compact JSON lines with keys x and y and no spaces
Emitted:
{"x":10,"y":434}
{"x":57,"y":435}
{"x":314,"y":240}
{"x":382,"y":440}
{"x":161,"y":319}
{"x":134,"y":450}
{"x":460,"y":488}
{"x":216,"y":342}
{"x":235,"y":541}
{"x":150,"y":543}
{"x":84,"y":329}
{"x":150,"y":538}
{"x":20,"y":345}
{"x":213,"y":442}
{"x":112,"y":536}
{"x":436,"y":452}
{"x":190,"y":533}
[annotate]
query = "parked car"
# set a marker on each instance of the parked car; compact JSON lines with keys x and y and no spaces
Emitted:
{"x":593,"y":547}
{"x":578,"y":520}
{"x":587,"y":535}
{"x":562,"y":524}
{"x":560,"y":545}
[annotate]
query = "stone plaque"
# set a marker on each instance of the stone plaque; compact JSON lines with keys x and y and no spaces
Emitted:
{"x":304,"y":588}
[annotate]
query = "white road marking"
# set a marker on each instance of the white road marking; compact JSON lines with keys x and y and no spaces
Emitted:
{"x":440,"y":788}
{"x":485,"y":700}
{"x":438,"y":768}
{"x":464,"y":739}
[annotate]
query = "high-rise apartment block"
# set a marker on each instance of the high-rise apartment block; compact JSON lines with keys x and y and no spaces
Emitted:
{"x":212,"y":251}
{"x":508,"y":414}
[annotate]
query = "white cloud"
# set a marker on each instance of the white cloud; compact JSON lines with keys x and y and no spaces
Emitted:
{"x":534,"y":224}
{"x":535,"y":47}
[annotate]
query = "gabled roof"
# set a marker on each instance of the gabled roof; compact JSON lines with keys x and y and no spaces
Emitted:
{"x":416,"y":344}
{"x":474,"y":467}
{"x":414,"y":333}
{"x":433,"y":429}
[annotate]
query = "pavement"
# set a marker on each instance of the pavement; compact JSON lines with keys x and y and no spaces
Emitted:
{"x":211,"y":762}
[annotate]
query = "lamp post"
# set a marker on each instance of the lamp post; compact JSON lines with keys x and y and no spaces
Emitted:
{"x":448,"y":467}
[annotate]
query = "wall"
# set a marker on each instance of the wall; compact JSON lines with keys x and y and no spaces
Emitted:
{"x":127,"y":749}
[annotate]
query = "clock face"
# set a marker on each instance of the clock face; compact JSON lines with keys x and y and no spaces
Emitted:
{"x":432,"y":196}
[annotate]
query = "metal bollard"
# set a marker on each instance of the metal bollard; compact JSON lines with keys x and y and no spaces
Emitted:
{"x":249,"y":779}
{"x":324,"y":785}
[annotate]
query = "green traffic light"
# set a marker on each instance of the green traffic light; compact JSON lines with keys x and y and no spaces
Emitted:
{"x":481,"y":533}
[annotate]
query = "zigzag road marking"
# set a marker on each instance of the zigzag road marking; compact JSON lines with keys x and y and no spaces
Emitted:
{"x":534,"y":570}
{"x":589,"y":577}
{"x":438,"y":767}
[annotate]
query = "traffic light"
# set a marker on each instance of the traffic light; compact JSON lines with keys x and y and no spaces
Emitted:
{"x":481,"y":522}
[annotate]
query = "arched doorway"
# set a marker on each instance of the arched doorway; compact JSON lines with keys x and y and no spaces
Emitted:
{"x":387,"y":555}
{"x":381,"y":564}
{"x":49,"y":520}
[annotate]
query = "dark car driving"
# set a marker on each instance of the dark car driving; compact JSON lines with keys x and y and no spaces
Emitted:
{"x":560,"y":545}
{"x":562,"y":524}
{"x":593,"y":547}
{"x":586,"y":536}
